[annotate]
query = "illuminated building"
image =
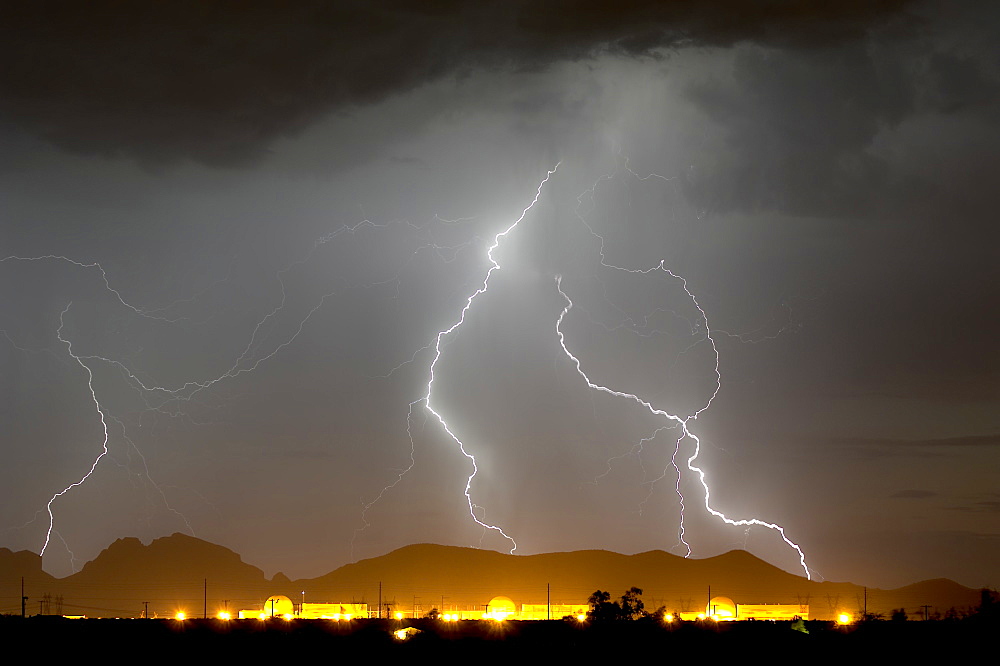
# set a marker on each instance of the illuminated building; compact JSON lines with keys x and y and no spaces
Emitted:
{"x":552,"y":611}
{"x":341,"y":611}
{"x":503,"y":608}
{"x":724,"y":609}
{"x":281,"y":606}
{"x":500,"y":608}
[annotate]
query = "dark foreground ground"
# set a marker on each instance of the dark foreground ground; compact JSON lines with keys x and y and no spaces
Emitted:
{"x":161,"y":641}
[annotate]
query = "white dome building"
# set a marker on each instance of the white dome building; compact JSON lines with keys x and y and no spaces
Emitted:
{"x":721,"y":608}
{"x":279,"y":606}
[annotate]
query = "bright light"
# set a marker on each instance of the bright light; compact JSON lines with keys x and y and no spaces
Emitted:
{"x":581,"y":617}
{"x":399,"y":616}
{"x":223,"y":615}
{"x":400,"y":634}
{"x":668,"y":617}
{"x":701,"y":616}
{"x":348,"y":616}
{"x":181,"y":615}
{"x":288,"y":617}
{"x":843,"y":618}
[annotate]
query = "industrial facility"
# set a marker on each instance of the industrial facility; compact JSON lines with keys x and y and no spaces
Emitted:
{"x":721,"y":609}
{"x":281,"y":606}
{"x":724,"y":609}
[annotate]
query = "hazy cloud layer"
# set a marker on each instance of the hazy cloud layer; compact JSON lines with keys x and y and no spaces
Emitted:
{"x":218,"y":82}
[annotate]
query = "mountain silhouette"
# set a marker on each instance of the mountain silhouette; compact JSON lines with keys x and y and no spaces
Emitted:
{"x":181,"y":572}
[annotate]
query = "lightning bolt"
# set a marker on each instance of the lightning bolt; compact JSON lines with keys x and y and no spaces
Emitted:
{"x":681,"y":421}
{"x":680,"y":496}
{"x":439,"y":338}
{"x":104,"y":426}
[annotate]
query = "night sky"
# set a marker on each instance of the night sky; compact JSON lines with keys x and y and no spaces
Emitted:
{"x":243,"y":227}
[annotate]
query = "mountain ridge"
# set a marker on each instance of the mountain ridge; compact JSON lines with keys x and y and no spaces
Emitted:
{"x":181,"y":572}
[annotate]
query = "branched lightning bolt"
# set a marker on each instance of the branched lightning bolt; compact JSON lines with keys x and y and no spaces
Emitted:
{"x":104,"y":426}
{"x":681,"y":421}
{"x":494,"y":266}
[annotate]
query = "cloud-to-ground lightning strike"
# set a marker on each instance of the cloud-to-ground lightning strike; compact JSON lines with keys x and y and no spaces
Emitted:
{"x":494,"y":266}
{"x":682,"y":421}
{"x":104,"y":425}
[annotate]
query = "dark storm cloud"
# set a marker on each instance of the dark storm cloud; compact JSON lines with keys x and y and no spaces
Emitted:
{"x":798,"y":125}
{"x":217,"y":82}
{"x":822,"y":131}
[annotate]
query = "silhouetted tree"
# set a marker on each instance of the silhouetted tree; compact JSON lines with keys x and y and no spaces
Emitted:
{"x":433,"y":614}
{"x":602,"y":609}
{"x":899,"y":615}
{"x":631,"y":605}
{"x":989,"y":603}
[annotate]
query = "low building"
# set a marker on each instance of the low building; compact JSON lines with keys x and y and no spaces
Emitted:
{"x":336,"y":611}
{"x":281,"y":606}
{"x":724,"y":609}
{"x":552,"y":611}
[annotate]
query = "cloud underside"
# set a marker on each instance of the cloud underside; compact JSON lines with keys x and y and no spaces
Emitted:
{"x":218,"y":82}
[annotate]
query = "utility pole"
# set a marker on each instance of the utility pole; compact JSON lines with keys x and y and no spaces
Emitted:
{"x":379,"y":612}
{"x":548,"y":601}
{"x":926,"y":608}
{"x":145,"y":613}
{"x":24,"y":599}
{"x":204,"y":610}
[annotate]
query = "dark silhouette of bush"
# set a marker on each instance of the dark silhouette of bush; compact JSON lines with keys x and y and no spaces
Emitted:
{"x":628,"y":607}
